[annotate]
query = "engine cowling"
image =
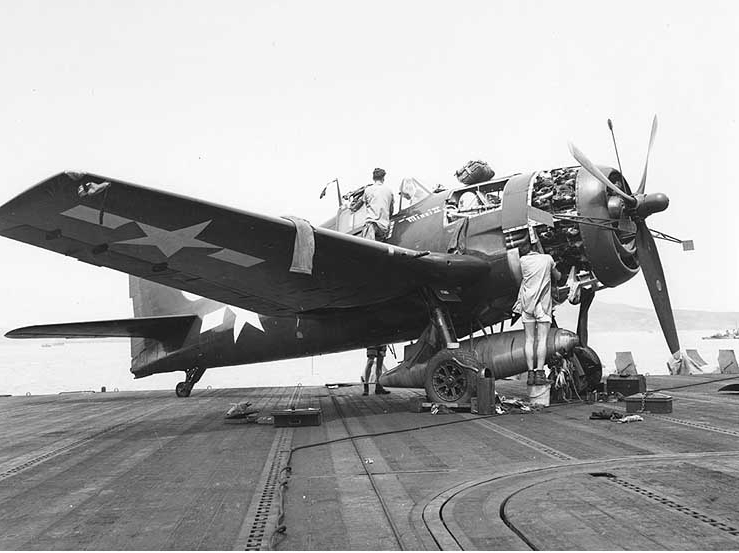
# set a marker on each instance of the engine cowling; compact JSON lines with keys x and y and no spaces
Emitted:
{"x":611,"y":254}
{"x":583,"y":212}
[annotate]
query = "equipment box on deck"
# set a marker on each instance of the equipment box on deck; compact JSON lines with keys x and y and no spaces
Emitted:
{"x":654,"y":403}
{"x":626,"y":385}
{"x":297,"y":417}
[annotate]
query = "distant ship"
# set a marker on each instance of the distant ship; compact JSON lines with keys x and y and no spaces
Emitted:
{"x":731,"y":334}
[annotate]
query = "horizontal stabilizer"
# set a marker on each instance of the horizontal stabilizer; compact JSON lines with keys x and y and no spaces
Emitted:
{"x":158,"y":328}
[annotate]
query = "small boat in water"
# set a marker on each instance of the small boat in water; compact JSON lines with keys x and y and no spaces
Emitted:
{"x":730,"y":334}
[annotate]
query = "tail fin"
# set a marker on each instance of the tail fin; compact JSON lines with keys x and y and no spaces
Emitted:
{"x":153,"y":300}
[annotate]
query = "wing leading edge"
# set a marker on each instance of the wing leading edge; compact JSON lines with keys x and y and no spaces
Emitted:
{"x":231,"y":256}
{"x":158,"y":328}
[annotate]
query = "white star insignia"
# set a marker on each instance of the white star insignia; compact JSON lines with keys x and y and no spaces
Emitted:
{"x":212,"y":320}
{"x":245,"y":317}
{"x":170,"y":242}
{"x":216,"y":318}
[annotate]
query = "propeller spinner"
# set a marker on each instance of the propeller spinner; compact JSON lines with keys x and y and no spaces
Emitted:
{"x":638,"y":207}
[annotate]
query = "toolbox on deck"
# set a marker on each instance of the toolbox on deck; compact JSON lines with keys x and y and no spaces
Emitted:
{"x":626,"y":385}
{"x":309,"y":416}
{"x":419,"y":405}
{"x":654,"y":403}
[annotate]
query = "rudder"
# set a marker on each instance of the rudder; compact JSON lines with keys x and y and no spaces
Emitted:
{"x":150,"y":299}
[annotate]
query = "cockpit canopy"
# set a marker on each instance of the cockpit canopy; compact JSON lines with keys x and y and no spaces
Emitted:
{"x":412,"y":192}
{"x":352,"y":212}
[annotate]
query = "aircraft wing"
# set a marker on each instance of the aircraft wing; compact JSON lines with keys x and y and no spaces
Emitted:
{"x":160,"y":328}
{"x":231,"y":256}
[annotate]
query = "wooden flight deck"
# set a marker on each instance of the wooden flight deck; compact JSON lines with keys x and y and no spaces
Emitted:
{"x":147,"y":470}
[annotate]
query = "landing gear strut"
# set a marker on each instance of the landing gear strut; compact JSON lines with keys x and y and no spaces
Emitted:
{"x":192,"y":376}
{"x":451,"y":374}
{"x":585,"y":356}
{"x":586,"y":299}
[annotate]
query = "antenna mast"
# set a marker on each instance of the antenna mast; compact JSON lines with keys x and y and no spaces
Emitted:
{"x":610,"y":126}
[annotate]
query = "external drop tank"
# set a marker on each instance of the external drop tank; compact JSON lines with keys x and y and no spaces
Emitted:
{"x":501,"y":353}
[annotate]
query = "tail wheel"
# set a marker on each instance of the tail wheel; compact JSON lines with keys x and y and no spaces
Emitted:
{"x":451,"y":376}
{"x":591,"y":365}
{"x":183,"y":389}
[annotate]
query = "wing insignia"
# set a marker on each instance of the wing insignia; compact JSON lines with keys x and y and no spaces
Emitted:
{"x":235,"y":257}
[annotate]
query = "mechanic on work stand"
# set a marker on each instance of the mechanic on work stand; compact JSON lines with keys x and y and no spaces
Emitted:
{"x":379,"y":201}
{"x":535,"y":305}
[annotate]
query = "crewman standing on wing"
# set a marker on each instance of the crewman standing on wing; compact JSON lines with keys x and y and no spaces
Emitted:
{"x":379,"y":201}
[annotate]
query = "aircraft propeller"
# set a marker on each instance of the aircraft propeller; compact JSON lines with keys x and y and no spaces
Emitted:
{"x":639,"y":206}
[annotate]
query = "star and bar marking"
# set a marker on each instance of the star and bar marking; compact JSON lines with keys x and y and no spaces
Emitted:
{"x":90,"y":215}
{"x":169,"y":242}
{"x":216,"y":318}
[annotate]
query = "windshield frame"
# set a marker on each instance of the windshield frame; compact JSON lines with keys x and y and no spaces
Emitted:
{"x":417,"y":185}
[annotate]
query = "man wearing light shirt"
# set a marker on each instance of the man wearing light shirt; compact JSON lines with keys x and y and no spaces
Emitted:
{"x":379,"y":202}
{"x":535,"y":305}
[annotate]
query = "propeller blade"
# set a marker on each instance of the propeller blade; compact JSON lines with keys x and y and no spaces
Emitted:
{"x":651,"y":266}
{"x":597,"y":173}
{"x":643,"y":182}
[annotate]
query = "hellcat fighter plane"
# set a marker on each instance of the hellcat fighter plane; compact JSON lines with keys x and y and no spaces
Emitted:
{"x":213,"y":286}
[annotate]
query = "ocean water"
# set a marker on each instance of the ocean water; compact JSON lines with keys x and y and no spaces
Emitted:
{"x":26,"y":367}
{"x":650,"y":351}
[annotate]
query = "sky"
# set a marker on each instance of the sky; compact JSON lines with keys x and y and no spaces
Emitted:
{"x":257,"y":105}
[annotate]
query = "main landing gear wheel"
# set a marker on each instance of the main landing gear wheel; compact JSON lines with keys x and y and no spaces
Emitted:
{"x":183,"y":389}
{"x":447,"y":379}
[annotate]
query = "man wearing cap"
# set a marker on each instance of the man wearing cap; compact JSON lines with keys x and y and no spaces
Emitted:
{"x":379,"y":201}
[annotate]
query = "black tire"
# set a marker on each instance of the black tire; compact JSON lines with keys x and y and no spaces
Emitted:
{"x":183,"y":389}
{"x":592,"y":367}
{"x":447,"y":381}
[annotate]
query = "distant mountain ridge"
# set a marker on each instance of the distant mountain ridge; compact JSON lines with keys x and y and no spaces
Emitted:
{"x":614,"y":317}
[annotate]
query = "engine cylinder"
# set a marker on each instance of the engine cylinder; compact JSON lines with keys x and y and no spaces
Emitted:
{"x":590,"y":231}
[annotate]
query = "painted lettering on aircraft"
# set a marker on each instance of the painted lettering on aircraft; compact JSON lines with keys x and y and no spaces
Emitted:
{"x":418,"y":216}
